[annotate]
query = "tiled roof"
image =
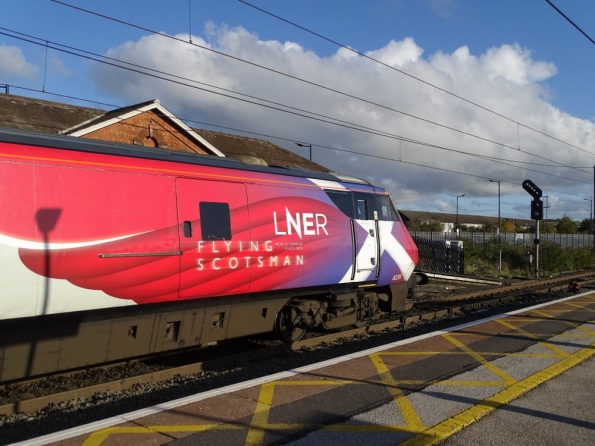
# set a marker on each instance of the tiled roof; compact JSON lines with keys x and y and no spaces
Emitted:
{"x":237,"y":146}
{"x":41,"y":116}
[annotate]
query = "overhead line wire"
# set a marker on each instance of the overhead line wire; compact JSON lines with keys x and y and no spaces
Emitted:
{"x":415,"y":77}
{"x":304,"y":80}
{"x":323,"y":145}
{"x":567,"y":18}
{"x":183,"y":78}
{"x":346,"y":125}
{"x":327,"y":119}
{"x":431,"y":146}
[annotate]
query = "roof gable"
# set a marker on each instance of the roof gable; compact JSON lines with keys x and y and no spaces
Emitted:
{"x":116,"y":116}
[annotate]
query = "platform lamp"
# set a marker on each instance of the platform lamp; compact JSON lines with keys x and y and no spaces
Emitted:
{"x":590,"y":215}
{"x":306,"y":145}
{"x":499,"y":235}
{"x":457,"y":220}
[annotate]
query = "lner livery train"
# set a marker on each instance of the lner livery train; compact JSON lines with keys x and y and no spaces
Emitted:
{"x":112,"y":251}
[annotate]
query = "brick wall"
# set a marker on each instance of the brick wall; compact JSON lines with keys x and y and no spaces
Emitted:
{"x":148,"y":129}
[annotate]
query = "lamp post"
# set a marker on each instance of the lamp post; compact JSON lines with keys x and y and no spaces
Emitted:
{"x":499,"y":236}
{"x":590,"y":215}
{"x":457,"y":220}
{"x":306,"y":145}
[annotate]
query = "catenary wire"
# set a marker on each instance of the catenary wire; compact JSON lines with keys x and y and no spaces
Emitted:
{"x":491,"y":159}
{"x":329,"y":120}
{"x":568,"y":18}
{"x":415,"y":77}
{"x":300,"y":79}
{"x":317,"y":145}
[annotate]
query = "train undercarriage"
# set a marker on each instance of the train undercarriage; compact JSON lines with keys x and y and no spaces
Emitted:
{"x":54,"y":343}
{"x":333,"y":311}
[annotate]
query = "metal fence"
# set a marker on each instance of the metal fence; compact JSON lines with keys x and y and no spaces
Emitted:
{"x":564,"y":240}
{"x":440,"y":256}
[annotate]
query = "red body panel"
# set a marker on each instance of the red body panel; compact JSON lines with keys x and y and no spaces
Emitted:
{"x":117,"y":225}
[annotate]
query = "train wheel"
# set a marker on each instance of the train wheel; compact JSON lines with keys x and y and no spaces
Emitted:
{"x":363,"y":323}
{"x":286,"y":325}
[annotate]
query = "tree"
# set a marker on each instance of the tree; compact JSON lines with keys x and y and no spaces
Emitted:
{"x":417,"y":225}
{"x":433,"y":226}
{"x":508,"y":226}
{"x":489,"y":227}
{"x":566,"y":226}
{"x":414,"y":225}
{"x":586,"y":226}
{"x":548,"y":227}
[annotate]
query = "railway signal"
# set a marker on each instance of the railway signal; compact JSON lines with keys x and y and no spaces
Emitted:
{"x":536,"y":214}
{"x":536,"y":209}
{"x":533,"y":190}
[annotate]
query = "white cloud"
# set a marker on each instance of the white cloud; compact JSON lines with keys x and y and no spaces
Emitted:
{"x":397,"y":54}
{"x":14,"y":64}
{"x":515,"y":65}
{"x":505,"y":79}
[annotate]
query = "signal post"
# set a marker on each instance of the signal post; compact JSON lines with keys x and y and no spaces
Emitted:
{"x":536,"y":214}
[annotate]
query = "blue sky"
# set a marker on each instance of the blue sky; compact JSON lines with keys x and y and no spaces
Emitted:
{"x":520,"y":59}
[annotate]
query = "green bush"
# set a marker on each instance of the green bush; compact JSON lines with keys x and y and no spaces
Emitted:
{"x":483,"y":258}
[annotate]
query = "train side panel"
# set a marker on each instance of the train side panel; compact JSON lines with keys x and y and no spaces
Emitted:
{"x":69,"y":231}
{"x":307,"y":239}
{"x":215,"y":238}
{"x":159,"y":232}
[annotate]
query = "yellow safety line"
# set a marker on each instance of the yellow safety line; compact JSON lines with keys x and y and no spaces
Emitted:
{"x":577,"y":305}
{"x":97,"y":437}
{"x":479,"y":358}
{"x":366,"y":428}
{"x":101,"y":435}
{"x":323,"y":382}
{"x":540,"y":341}
{"x":549,"y":317}
{"x":258,"y":425}
{"x":578,"y":325}
{"x":409,"y":414}
{"x":451,"y":382}
{"x":586,"y":330}
{"x":446,"y":428}
{"x":520,"y":354}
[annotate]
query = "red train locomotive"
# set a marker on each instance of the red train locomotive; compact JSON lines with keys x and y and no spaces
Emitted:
{"x":109,"y":251}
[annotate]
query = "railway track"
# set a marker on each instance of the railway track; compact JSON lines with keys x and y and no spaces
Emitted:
{"x":425,"y":313}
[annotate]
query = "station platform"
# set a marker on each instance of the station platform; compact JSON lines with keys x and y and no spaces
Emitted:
{"x":419,"y":391}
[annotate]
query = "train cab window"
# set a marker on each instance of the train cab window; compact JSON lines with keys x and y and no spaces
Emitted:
{"x":365,"y":205}
{"x":343,"y":200}
{"x":387,"y":209}
{"x":361,"y":208}
{"x":215,"y":221}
